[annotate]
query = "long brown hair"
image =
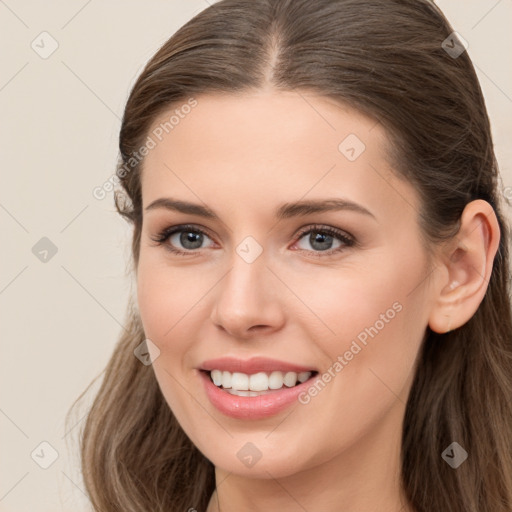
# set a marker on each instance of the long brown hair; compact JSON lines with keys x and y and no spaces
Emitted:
{"x":391,"y":61}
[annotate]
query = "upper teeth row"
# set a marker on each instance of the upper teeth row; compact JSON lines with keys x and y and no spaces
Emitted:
{"x":257,"y":381}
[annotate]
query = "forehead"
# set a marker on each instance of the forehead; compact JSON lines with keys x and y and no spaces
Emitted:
{"x":269,"y":147}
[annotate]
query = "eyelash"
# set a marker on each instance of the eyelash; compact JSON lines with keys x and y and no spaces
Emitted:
{"x":166,"y":233}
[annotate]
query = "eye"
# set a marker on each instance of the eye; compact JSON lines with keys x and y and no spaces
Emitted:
{"x":322,"y":238}
{"x":190,"y":238}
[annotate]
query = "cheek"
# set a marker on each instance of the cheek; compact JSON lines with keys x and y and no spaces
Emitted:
{"x":379,"y":325}
{"x":166,"y":300}
{"x":166,"y":296}
{"x":373,"y":315}
{"x":354,"y":297}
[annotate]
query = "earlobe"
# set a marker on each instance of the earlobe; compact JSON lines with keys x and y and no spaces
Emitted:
{"x":467,"y":262}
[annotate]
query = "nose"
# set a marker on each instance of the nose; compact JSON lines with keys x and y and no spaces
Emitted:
{"x":247,"y":303}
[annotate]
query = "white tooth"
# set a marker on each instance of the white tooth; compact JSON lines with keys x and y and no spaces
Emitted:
{"x":303,"y":376}
{"x":226,"y":379}
{"x":240,"y":381}
{"x":217,"y":377}
{"x":258,"y":382}
{"x":275,"y":381}
{"x":290,"y":379}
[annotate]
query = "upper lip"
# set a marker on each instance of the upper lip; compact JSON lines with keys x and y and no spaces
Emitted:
{"x":253,"y":365}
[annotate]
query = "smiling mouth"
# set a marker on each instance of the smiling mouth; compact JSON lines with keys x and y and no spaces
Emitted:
{"x":261,"y":383}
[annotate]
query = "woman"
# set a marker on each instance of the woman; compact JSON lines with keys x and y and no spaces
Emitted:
{"x":323,"y":318}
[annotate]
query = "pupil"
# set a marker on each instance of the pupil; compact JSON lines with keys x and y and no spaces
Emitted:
{"x":319,"y":238}
{"x":192,"y":238}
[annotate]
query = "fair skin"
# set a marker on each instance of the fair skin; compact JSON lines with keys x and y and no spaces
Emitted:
{"x":243,"y":157}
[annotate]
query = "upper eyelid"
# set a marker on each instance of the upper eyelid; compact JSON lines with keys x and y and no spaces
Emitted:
{"x":193,"y":227}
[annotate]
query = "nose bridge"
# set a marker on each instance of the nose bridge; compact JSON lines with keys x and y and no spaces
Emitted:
{"x":244,"y":285}
{"x":244,"y":298}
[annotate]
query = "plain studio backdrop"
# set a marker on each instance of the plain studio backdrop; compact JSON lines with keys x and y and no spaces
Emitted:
{"x":67,"y":70}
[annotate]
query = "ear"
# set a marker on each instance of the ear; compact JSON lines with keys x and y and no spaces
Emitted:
{"x":467,"y":262}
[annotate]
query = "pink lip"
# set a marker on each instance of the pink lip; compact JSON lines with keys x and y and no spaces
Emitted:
{"x":252,"y":407}
{"x":253,"y":365}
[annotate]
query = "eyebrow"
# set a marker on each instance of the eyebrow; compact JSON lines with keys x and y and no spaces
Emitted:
{"x":285,"y":211}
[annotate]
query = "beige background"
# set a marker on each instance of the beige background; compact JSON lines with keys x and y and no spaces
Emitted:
{"x":60,"y":121}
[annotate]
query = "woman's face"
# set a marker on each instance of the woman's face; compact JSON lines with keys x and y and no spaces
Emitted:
{"x":266,"y":280}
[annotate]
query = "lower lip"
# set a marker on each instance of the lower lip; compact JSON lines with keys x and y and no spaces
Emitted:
{"x":252,"y":407}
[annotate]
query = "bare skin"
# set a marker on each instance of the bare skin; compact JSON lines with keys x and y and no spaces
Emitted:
{"x":243,"y":157}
